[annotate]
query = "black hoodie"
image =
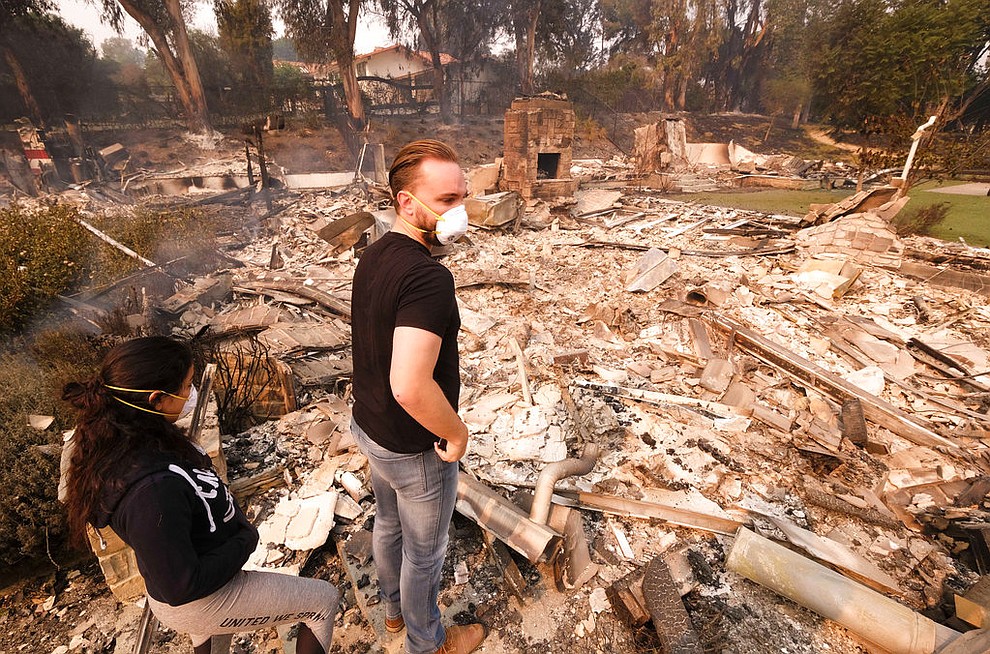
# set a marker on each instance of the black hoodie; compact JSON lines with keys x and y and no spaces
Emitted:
{"x":188,"y":533}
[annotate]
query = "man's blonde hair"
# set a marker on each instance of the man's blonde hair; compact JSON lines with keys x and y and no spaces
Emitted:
{"x":405,"y":167}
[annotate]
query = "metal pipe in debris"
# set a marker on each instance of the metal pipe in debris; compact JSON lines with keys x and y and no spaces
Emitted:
{"x":877,"y":618}
{"x":554,"y":472}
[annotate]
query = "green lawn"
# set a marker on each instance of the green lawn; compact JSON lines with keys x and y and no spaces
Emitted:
{"x":968,"y":216}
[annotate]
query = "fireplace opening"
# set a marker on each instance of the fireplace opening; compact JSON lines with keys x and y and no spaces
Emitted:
{"x":547,"y":164}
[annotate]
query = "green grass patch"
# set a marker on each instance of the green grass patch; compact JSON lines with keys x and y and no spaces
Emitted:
{"x":968,"y":216}
{"x":788,"y":203}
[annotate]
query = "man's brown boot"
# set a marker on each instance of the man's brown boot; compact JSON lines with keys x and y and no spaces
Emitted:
{"x":462,"y":639}
{"x":394,"y":625}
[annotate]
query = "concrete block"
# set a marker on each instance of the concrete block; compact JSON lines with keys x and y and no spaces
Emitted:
{"x":129,"y":590}
{"x":493,"y":210}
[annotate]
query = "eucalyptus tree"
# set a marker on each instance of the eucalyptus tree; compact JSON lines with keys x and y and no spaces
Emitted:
{"x":569,"y":36}
{"x":427,"y":18}
{"x":525,"y":15}
{"x":879,"y":59}
{"x":245,"y":28}
{"x":10,"y":12}
{"x":677,"y":38}
{"x":49,"y":64}
{"x":165,"y":25}
{"x":322,"y":30}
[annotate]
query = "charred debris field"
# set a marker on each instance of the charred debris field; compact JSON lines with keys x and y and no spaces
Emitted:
{"x":781,"y":418}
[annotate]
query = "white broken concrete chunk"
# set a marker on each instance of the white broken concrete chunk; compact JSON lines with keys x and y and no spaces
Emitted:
{"x":620,"y":538}
{"x":652,"y":269}
{"x":528,"y":435}
{"x":599,"y":601}
{"x":482,"y":413}
{"x":594,"y":200}
{"x":310,"y":527}
{"x":475,"y":322}
{"x":870,"y":379}
{"x":547,"y":395}
{"x":347,"y":508}
{"x":299,"y":524}
{"x":461,"y":573}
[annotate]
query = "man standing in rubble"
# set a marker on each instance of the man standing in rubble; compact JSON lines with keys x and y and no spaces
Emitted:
{"x":406,"y":384}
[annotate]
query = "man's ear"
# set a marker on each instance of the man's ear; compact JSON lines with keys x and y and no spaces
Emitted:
{"x":403,"y":199}
{"x":154,"y":397}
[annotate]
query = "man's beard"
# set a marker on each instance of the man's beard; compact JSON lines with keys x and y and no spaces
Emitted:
{"x":430,"y":236}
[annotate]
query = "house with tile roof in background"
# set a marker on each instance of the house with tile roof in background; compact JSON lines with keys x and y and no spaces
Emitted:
{"x":399,"y":78}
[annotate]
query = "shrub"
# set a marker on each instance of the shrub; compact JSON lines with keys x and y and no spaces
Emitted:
{"x":920,"y":221}
{"x":42,"y":253}
{"x":32,"y":521}
{"x":625,"y":87}
{"x":589,"y":129}
{"x":160,"y":234}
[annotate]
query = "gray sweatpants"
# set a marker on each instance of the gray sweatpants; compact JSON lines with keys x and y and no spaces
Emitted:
{"x":254,"y":600}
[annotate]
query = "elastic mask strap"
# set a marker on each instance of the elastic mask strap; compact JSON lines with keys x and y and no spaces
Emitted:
{"x":420,"y":229}
{"x":141,"y":390}
{"x":439,"y":217}
{"x":141,"y":408}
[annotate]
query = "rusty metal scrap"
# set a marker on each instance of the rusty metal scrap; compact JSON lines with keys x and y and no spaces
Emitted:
{"x":504,"y":519}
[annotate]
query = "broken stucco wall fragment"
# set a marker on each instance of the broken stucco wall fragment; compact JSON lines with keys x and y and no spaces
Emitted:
{"x":861,"y":237}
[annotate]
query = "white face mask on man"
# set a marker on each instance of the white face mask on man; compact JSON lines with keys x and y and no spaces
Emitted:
{"x":451,"y":224}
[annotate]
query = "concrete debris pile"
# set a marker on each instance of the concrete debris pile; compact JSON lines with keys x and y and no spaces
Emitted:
{"x":663,"y":154}
{"x":707,"y":382}
{"x":660,"y":394}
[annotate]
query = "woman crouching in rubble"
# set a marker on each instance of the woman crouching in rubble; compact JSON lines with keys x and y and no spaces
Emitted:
{"x":134,"y":470}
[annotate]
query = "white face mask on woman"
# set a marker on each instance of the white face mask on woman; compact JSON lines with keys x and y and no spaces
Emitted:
{"x":451,"y":224}
{"x":190,"y":404}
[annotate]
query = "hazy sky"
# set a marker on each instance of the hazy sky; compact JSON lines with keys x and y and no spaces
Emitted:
{"x":371,"y":32}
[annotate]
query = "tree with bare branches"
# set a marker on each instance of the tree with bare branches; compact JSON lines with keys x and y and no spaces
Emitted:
{"x":428,"y":17}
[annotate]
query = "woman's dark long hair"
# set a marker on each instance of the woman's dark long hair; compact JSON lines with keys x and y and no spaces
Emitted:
{"x":109,"y":433}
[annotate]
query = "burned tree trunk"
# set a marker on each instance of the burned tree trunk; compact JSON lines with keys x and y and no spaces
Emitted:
{"x":426,"y":29}
{"x":342,"y":32}
{"x":198,"y":114}
{"x":524,"y":23}
{"x":23,"y":88}
{"x":180,"y":65}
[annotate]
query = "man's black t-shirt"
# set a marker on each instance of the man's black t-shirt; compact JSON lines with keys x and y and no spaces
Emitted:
{"x":398,"y":284}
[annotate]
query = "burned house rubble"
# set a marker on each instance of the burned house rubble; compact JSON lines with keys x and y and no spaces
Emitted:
{"x":715,"y":429}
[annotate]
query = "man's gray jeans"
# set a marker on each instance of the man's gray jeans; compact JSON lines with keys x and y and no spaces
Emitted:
{"x":414,"y":496}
